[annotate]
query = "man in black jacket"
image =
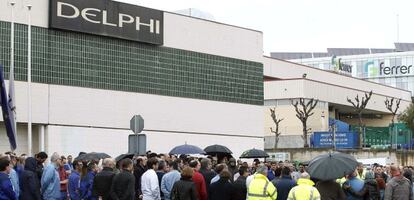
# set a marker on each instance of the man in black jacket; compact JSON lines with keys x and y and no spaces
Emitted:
{"x":123,"y":184}
{"x":240,"y":183}
{"x":41,"y":157}
{"x":103,"y":180}
{"x":139,"y":170}
{"x":206,"y":171}
{"x":29,"y":182}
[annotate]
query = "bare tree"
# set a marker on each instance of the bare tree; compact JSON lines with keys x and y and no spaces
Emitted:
{"x":303,"y":112}
{"x":359,"y":106}
{"x":276,"y":120}
{"x":389,"y":103}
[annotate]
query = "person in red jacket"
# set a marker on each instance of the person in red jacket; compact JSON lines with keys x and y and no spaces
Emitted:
{"x":198,"y":180}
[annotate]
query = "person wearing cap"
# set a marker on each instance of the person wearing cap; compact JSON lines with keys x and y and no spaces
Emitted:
{"x":260,"y":188}
{"x":399,"y":187}
{"x":304,"y":190}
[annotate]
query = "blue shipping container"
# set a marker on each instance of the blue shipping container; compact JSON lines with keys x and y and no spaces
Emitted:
{"x":343,"y":140}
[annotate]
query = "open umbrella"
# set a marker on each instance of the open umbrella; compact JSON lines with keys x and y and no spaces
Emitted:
{"x":123,"y":156}
{"x":187,"y":149}
{"x":217,"y":149}
{"x":331,"y":166}
{"x":92,"y":156}
{"x":254,"y":153}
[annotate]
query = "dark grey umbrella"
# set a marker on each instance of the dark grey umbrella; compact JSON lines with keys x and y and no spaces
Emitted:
{"x":217,"y":149}
{"x":187,"y":149}
{"x":331,"y":166}
{"x":123,"y":156}
{"x":254,"y":153}
{"x":92,"y":156}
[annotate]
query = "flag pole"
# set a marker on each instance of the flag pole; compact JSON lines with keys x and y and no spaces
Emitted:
{"x":29,"y":82}
{"x":11,"y":74}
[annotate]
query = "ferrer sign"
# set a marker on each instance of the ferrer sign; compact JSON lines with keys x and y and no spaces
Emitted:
{"x":108,"y":18}
{"x":341,"y":67}
{"x":371,"y":69}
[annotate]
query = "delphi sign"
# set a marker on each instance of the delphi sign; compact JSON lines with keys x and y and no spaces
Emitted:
{"x":108,"y":18}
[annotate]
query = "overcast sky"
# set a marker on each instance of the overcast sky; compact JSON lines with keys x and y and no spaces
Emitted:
{"x":309,"y":25}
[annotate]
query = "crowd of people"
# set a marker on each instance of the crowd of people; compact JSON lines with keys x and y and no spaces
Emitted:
{"x":168,"y":177}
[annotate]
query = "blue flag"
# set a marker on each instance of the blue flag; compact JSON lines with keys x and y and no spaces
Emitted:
{"x":8,"y":114}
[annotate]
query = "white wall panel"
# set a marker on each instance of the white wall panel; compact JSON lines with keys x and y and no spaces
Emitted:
{"x":193,"y":34}
{"x":72,"y":140}
{"x":40,"y":102}
{"x":286,"y":89}
{"x":103,"y":108}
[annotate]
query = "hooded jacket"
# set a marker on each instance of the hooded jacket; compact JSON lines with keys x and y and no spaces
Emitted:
{"x":398,"y":188}
{"x":29,"y":183}
{"x":304,"y":191}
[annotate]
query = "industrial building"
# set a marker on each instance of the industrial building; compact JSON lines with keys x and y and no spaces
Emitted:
{"x":96,"y":63}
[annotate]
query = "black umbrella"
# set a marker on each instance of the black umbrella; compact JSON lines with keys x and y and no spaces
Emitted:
{"x":331,"y":166}
{"x":92,"y":156}
{"x":217,"y":149}
{"x":187,"y":149}
{"x":254,"y":153}
{"x":123,"y":156}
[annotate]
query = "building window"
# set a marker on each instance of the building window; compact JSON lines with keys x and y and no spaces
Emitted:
{"x":84,"y":60}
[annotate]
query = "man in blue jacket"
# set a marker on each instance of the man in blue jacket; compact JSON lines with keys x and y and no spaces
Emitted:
{"x":74,"y":181}
{"x":50,"y":181}
{"x":355,"y":184}
{"x":6,"y":188}
{"x":86,"y":183}
{"x":284,"y":184}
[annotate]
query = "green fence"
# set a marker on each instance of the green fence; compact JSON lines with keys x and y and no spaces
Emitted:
{"x":381,"y":135}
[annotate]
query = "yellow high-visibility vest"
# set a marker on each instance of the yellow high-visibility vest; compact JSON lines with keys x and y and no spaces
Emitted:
{"x":261,"y":189}
{"x":304,"y":191}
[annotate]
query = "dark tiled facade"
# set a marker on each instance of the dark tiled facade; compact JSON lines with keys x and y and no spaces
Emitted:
{"x":82,"y":60}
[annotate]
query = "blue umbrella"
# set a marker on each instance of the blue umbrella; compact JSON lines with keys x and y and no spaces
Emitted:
{"x":186,"y":149}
